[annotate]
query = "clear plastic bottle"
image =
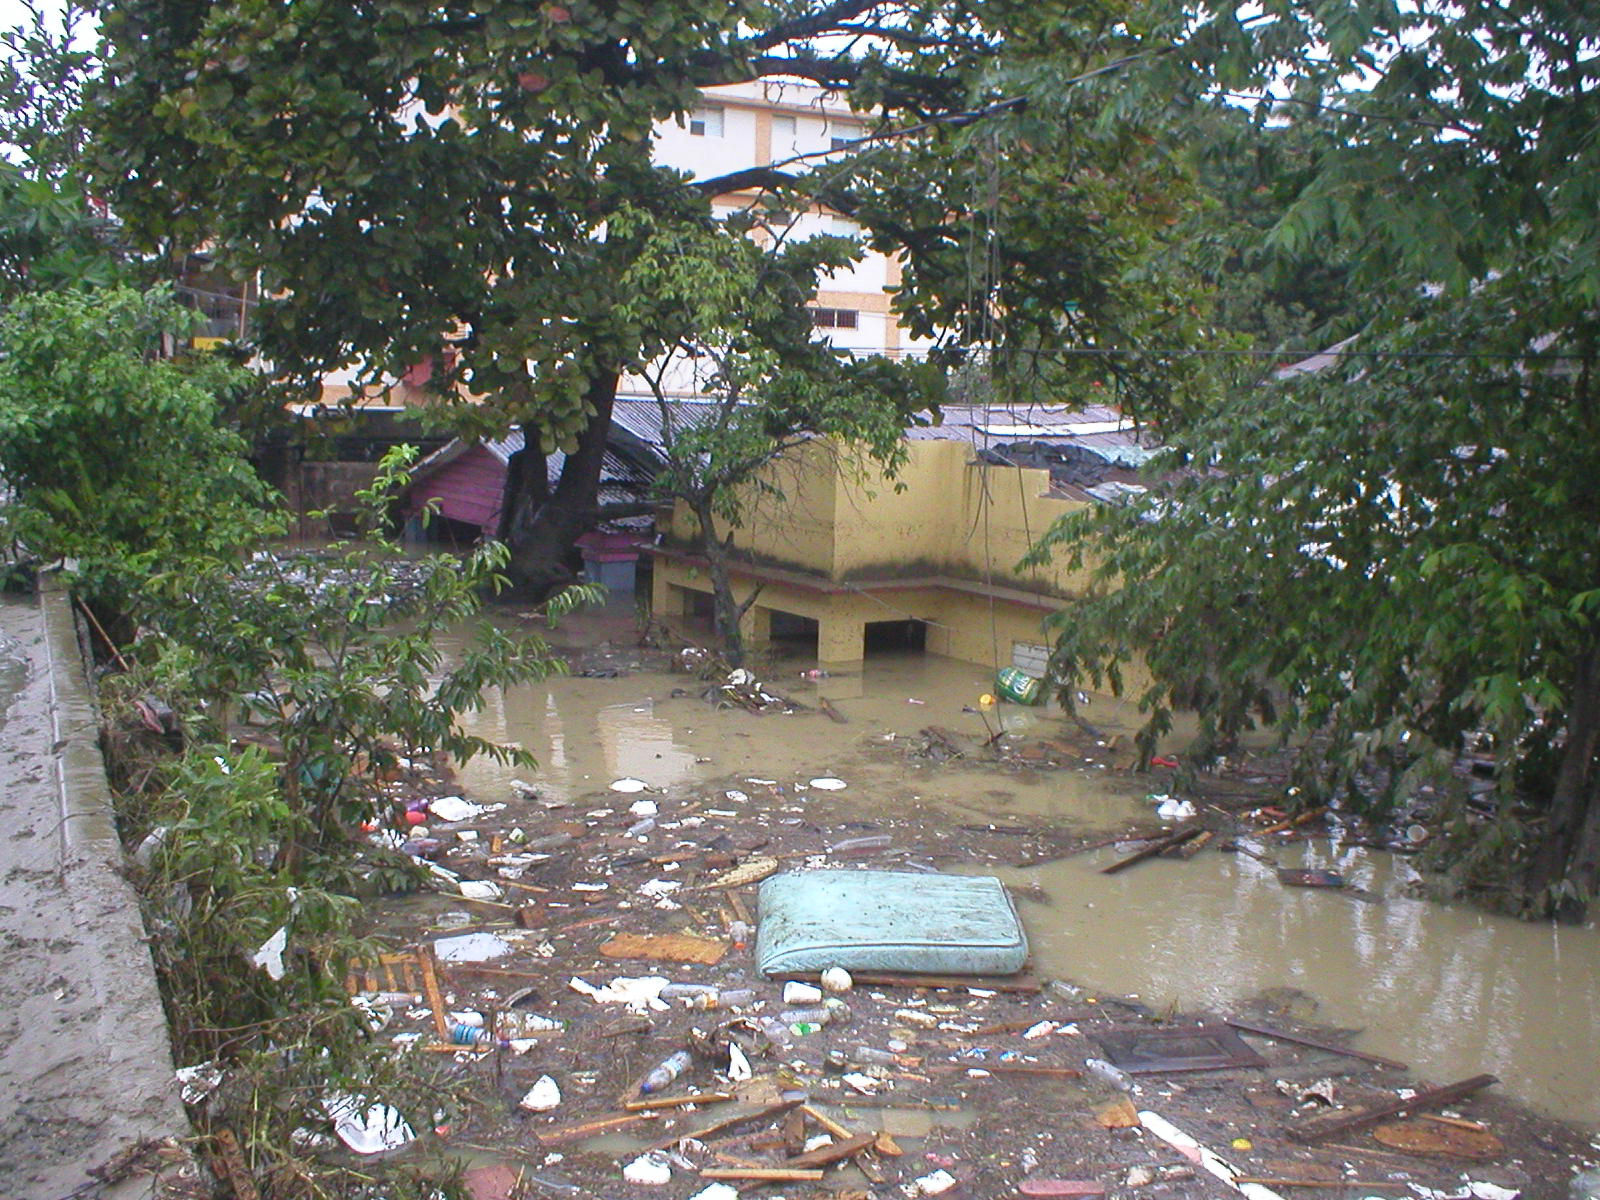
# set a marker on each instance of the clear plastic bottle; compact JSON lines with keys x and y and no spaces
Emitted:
{"x":662,"y":1075}
{"x":862,"y":845}
{"x":872,"y":1056}
{"x":724,"y":998}
{"x":470,"y":1035}
{"x":1109,"y":1073}
{"x":776,"y":1032}
{"x":687,"y":991}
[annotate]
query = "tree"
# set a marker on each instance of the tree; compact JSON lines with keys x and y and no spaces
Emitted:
{"x":738,"y":334}
{"x":51,"y":235}
{"x":1389,"y":555}
{"x":407,"y":179}
{"x":116,"y":457}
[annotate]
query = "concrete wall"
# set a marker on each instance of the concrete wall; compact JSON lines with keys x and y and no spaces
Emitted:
{"x":86,"y":1066}
{"x":846,"y":549}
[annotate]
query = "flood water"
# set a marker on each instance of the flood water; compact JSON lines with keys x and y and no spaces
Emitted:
{"x":1450,"y":991}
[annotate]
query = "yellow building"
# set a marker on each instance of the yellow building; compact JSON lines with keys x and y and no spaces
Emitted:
{"x":845,"y":552}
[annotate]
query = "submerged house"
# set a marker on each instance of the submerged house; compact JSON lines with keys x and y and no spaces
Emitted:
{"x":850,"y":561}
{"x":465,"y":481}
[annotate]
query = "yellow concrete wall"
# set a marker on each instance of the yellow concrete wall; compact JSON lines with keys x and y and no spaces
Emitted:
{"x":954,"y":520}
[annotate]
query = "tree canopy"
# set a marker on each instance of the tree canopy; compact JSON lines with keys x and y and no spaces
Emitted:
{"x":1396,"y":552}
{"x":407,"y":177}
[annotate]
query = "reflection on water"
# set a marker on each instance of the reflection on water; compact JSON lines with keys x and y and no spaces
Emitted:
{"x":1450,"y":991}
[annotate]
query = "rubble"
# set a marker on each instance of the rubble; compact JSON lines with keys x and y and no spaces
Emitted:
{"x":936,"y":1085}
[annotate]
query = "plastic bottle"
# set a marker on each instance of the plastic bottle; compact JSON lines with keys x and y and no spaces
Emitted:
{"x":872,"y":1056}
{"x":861,"y":845}
{"x":687,"y":991}
{"x":776,"y":1032}
{"x":729,"y":998}
{"x":1109,"y":1073}
{"x":640,"y":828}
{"x":833,"y":1012}
{"x":664,"y":1073}
{"x":470,"y":1035}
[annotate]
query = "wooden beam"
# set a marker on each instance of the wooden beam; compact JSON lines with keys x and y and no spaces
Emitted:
{"x":1315,"y":1131}
{"x":1154,"y":848}
{"x":1300,"y":1040}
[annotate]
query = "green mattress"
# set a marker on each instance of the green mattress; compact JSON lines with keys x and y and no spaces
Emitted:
{"x":888,"y":921}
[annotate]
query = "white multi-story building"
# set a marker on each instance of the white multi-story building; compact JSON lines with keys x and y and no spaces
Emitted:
{"x":801,"y":127}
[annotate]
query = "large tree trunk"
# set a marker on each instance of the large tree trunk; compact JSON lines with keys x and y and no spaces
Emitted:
{"x":540,"y":525}
{"x":725,"y":609}
{"x":1570,"y":852}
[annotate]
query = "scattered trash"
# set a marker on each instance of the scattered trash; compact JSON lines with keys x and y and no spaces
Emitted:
{"x":828,"y":783}
{"x":480,"y":889}
{"x":454,"y":808}
{"x":1017,"y":686}
{"x":1107,"y":1073}
{"x":933,"y":1184}
{"x":270,"y":956}
{"x":627,"y":785}
{"x":198,"y":1082}
{"x":717,"y":1191}
{"x":1308,"y":878}
{"x":837,"y":979}
{"x":650,"y":1170}
{"x":543,"y":1096}
{"x":471,"y":947}
{"x":1171,"y":809}
{"x":638,"y":994}
{"x":664,"y":1073}
{"x":862,"y":845}
{"x":366,"y":1128}
{"x":1320,"y":1091}
{"x":795,"y":992}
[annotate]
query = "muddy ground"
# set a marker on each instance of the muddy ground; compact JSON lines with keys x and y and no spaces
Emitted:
{"x":987,"y":1092}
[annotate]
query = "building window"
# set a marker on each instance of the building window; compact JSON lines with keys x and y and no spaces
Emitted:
{"x":706,"y":122}
{"x":784,"y":135}
{"x":842,"y":136}
{"x":834,"y":318}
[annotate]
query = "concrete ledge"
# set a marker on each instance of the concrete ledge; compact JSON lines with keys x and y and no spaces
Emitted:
{"x":86,"y":1065}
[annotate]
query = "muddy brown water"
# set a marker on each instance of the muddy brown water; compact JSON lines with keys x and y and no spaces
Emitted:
{"x":1450,"y":991}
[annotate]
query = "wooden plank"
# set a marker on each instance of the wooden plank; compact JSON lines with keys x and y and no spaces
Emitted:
{"x":1154,"y":848}
{"x":1267,"y":1031}
{"x":665,"y":947}
{"x":1042,"y":1072}
{"x":827,"y":1122}
{"x":764,"y":1174}
{"x":764,"y":1112}
{"x":430,"y":987}
{"x":583,"y":1129}
{"x":659,"y":1102}
{"x":1274,"y":1181}
{"x":1313,"y":1131}
{"x":826,"y":1156}
{"x":240,"y":1181}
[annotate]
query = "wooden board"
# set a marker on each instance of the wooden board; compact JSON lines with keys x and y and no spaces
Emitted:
{"x":1432,"y":1137}
{"x":665,"y":947}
